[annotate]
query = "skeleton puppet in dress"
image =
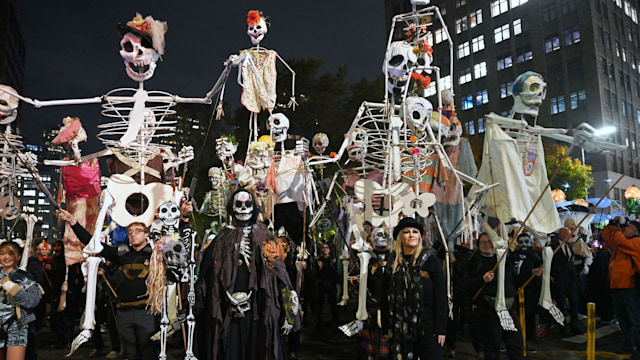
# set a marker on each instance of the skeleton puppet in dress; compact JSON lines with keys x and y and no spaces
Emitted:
{"x":237,"y":323}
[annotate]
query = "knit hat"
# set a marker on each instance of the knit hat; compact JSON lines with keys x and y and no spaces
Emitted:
{"x":407,"y":222}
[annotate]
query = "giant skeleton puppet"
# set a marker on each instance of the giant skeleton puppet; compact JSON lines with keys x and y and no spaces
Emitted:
{"x":134,"y":190}
{"x":248,"y":299}
{"x":256,"y":74}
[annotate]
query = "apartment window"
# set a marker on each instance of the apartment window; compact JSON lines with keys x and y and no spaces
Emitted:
{"x":470,"y":128}
{"x":517,"y":27}
{"x":624,"y":108}
{"x":633,"y":62}
{"x":504,"y":63}
{"x":462,"y":24}
{"x":477,"y":43}
{"x":524,"y":54}
{"x":480,"y":70}
{"x":551,"y":44}
{"x":627,"y":82}
{"x":549,"y":13}
{"x":482,"y":125}
{"x":482,"y":97}
{"x":465,"y":76}
{"x":607,"y":98}
{"x":578,"y":99}
{"x":501,"y":33}
{"x":463,"y":50}
{"x":624,"y":54}
{"x":568,"y":6}
{"x":612,"y":72}
{"x":626,"y":8}
{"x":515,"y":3}
{"x":475,"y":18}
{"x":441,"y":36}
{"x":499,"y":7}
{"x":460,"y":3}
{"x":614,"y":102}
{"x":600,"y":35}
{"x":638,"y":115}
{"x":467,"y":102}
{"x":557,"y":105}
{"x":572,"y":36}
{"x":636,"y":86}
{"x":506,"y":89}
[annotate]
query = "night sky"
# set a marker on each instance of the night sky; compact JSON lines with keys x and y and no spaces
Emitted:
{"x":72,"y":47}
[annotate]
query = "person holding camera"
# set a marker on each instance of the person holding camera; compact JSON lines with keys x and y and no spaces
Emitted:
{"x":622,"y":236}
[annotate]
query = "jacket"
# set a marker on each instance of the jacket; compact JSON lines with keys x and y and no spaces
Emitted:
{"x":625,"y":258}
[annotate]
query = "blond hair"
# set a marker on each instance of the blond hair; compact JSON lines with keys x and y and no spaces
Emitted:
{"x":400,"y":253}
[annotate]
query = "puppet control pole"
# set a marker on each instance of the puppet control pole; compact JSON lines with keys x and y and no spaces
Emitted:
{"x":515,"y":234}
{"x":590,"y":212}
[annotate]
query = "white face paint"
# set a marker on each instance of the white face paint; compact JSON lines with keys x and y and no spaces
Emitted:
{"x":379,"y":238}
{"x":139,"y":61}
{"x":278,"y":124}
{"x":320,"y":142}
{"x":257,"y":32}
{"x":216,"y":176}
{"x":8,"y":105}
{"x":242,"y":206}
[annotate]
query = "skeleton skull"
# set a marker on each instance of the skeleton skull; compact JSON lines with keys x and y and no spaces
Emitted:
{"x":216,"y":177}
{"x":258,"y":159}
{"x":529,"y":90}
{"x":257,"y":30}
{"x":320,"y":142}
{"x":278,"y":124}
{"x":139,"y":60}
{"x":399,"y":60}
{"x":357,"y":150}
{"x":169,"y":213}
{"x":379,"y":238}
{"x":242,"y":206}
{"x":417,"y":112}
{"x":8,"y":105}
{"x":225,"y":150}
{"x":525,"y":241}
{"x":176,"y":256}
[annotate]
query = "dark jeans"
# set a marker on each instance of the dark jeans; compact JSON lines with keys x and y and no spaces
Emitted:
{"x":569,"y":291}
{"x":626,"y":307}
{"x":136,"y":327}
{"x":490,"y":332}
{"x":330,"y":292}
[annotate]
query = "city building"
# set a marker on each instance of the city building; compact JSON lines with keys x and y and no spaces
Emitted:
{"x":587,"y":51}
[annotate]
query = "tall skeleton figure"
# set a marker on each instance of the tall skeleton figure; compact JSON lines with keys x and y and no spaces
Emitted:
{"x":256,"y":74}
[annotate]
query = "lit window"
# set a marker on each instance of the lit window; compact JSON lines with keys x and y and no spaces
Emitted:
{"x":505,"y":63}
{"x":501,"y":33}
{"x":480,"y":70}
{"x":578,"y":99}
{"x":551,"y":44}
{"x":638,"y":115}
{"x":475,"y":18}
{"x":557,"y":105}
{"x":506,"y":89}
{"x":467,"y":102}
{"x":441,"y":36}
{"x":572,"y":36}
{"x":469,"y":126}
{"x":517,"y":27}
{"x":465,"y":76}
{"x":482,"y":126}
{"x":460,"y":3}
{"x":515,"y":3}
{"x":624,"y":108}
{"x":499,"y":7}
{"x":462,"y":24}
{"x":477,"y":43}
{"x":482,"y":97}
{"x":463,"y":50}
{"x":524,"y":54}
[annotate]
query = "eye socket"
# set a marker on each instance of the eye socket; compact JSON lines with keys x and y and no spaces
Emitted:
{"x":238,"y":203}
{"x":4,"y":103}
{"x":534,"y":87}
{"x":164,"y":210}
{"x":128,"y":46}
{"x":396,"y":60}
{"x":277,"y":122}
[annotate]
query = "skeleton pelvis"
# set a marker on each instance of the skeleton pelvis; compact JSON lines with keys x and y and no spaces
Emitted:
{"x":134,"y":203}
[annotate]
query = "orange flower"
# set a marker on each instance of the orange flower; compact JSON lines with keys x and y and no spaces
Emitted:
{"x":333,"y":154}
{"x":253,"y":17}
{"x":413,"y":138}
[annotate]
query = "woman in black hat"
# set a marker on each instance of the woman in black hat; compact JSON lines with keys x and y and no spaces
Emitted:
{"x":417,"y":301}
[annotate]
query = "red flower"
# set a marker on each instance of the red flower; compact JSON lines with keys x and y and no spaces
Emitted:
{"x":424,"y":81}
{"x":253,"y":17}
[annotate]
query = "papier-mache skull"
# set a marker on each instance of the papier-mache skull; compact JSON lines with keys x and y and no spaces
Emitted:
{"x":256,"y":26}
{"x":357,"y":149}
{"x":278,"y":124}
{"x":243,"y":206}
{"x":320,"y":142}
{"x":176,"y":256}
{"x":216,"y":177}
{"x":529,"y":89}
{"x":379,"y":238}
{"x":8,"y":105}
{"x":141,"y":46}
{"x":399,"y":60}
{"x":169,"y":213}
{"x":225,"y":149}
{"x":417,"y":112}
{"x":258,"y":159}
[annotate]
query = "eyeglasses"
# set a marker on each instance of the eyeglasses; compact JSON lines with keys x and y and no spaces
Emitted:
{"x":135,"y":231}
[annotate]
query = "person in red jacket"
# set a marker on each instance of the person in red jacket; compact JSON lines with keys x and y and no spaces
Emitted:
{"x":623,"y":238}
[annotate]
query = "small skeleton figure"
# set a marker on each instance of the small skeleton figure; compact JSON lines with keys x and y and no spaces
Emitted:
{"x":258,"y":159}
{"x":216,"y":199}
{"x":320,"y":143}
{"x":226,"y":148}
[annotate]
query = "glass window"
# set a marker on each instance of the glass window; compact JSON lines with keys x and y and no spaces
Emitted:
{"x":470,"y":128}
{"x":462,"y":24}
{"x":482,"y":125}
{"x":475,"y":18}
{"x":463,"y":50}
{"x":499,"y":7}
{"x":551,"y":44}
{"x":477,"y":43}
{"x":467,"y":102}
{"x":441,"y":36}
{"x":517,"y":27}
{"x":557,"y":105}
{"x":549,"y":13}
{"x":465,"y":76}
{"x":515,"y":3}
{"x":504,"y":63}
{"x":506,"y":89}
{"x":480,"y":70}
{"x":524,"y":54}
{"x":501,"y":33}
{"x":482,"y":97}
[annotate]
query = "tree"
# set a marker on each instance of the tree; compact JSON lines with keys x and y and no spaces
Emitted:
{"x":572,"y":171}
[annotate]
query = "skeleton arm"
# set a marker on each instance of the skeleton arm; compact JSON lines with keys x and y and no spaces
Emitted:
{"x":292,"y":101}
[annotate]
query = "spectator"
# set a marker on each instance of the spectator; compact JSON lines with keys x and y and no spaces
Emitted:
{"x":564,"y":277}
{"x":326,"y":276}
{"x":61,"y":317}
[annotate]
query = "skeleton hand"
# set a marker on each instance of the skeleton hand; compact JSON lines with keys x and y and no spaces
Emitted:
{"x":286,"y":328}
{"x":233,"y":60}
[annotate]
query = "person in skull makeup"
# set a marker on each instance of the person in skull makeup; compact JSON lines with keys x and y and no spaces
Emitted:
{"x":373,"y":338}
{"x":245,"y":300}
{"x":526,"y":261}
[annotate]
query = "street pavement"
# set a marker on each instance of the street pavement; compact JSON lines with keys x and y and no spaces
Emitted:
{"x":327,"y":342}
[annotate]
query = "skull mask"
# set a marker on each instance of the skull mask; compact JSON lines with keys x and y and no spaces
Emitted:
{"x":216,"y":177}
{"x":256,"y":29}
{"x":258,"y":159}
{"x":320,"y":142}
{"x":417,"y":112}
{"x":139,"y":57}
{"x":358,"y":149}
{"x":225,"y":150}
{"x":8,"y":105}
{"x":176,"y":256}
{"x":529,"y":90}
{"x":278,"y":124}
{"x":379,"y":238}
{"x":525,"y":242}
{"x":243,"y":206}
{"x":169,"y":213}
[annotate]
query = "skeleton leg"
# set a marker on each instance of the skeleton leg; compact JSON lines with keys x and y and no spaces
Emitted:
{"x":191,"y":298}
{"x":362,"y":314}
{"x":164,"y":326}
{"x":89,"y":311}
{"x":345,"y":282}
{"x":545,"y":294}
